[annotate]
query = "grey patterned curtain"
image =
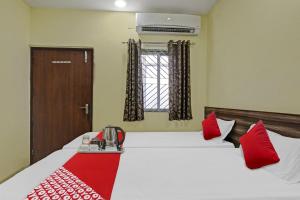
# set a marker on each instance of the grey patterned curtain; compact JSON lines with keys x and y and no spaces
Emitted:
{"x":179,"y":81}
{"x":134,"y":104}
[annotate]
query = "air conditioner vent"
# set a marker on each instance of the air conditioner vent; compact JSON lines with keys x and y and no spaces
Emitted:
{"x":168,"y":29}
{"x":164,"y":23}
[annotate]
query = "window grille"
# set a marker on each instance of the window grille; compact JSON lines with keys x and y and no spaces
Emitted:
{"x":155,"y":80}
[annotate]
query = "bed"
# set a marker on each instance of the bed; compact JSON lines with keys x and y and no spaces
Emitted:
{"x":189,"y":173}
{"x":162,"y":140}
{"x":182,"y":173}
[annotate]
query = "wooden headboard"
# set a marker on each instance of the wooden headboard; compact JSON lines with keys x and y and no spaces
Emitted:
{"x":284,"y":124}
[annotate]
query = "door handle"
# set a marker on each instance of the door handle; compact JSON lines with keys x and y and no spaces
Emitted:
{"x":86,"y":109}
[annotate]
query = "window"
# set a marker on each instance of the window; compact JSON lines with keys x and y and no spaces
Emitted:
{"x":155,"y":80}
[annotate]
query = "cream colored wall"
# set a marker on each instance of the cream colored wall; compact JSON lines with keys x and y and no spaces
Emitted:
{"x":253,"y":63}
{"x":14,"y":86}
{"x":254,"y":55}
{"x":104,"y":31}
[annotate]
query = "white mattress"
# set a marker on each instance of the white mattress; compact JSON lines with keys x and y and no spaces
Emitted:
{"x":162,"y":140}
{"x":170,"y":173}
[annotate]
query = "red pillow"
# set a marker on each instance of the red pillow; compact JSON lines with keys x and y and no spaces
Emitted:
{"x":257,"y":147}
{"x":210,"y":127}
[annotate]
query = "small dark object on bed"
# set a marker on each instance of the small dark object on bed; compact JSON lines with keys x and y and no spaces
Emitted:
{"x":103,"y":144}
{"x":95,"y":140}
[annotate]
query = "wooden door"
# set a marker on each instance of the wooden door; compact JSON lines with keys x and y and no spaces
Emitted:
{"x":61,"y":98}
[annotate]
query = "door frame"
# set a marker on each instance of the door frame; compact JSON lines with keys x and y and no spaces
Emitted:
{"x":31,"y":87}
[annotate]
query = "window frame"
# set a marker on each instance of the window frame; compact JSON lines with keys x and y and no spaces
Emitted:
{"x":158,"y":53}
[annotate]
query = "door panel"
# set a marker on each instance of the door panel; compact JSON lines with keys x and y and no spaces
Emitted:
{"x":61,"y":83}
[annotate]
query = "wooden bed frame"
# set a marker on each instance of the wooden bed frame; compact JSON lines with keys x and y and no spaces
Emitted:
{"x":284,"y":124}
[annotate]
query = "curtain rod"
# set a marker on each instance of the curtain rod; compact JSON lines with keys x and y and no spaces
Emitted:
{"x":156,"y":43}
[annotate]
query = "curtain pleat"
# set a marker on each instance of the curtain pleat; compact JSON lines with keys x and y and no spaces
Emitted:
{"x":179,"y":81}
{"x":134,"y":104}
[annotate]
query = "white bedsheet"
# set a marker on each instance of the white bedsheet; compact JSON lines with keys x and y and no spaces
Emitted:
{"x":169,"y":173}
{"x":162,"y":140}
{"x":195,"y":174}
{"x":19,"y":186}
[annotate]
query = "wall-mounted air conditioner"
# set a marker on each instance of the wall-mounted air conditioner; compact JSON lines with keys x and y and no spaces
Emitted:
{"x":158,"y":23}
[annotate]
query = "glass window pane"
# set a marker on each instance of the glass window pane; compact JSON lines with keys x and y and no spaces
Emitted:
{"x":164,"y":60}
{"x":150,"y":81}
{"x":164,"y":96}
{"x":152,"y":92}
{"x":164,"y":82}
{"x":149,"y":59}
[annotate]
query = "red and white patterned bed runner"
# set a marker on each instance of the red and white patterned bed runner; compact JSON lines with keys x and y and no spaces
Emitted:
{"x":63,"y":184}
{"x":82,"y":177}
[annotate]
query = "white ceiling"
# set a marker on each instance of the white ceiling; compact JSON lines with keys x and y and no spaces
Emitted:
{"x":165,"y":6}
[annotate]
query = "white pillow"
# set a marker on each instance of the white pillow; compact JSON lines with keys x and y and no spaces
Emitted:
{"x":225,"y":127}
{"x":288,"y":150}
